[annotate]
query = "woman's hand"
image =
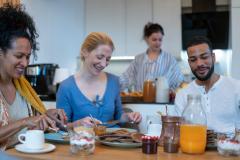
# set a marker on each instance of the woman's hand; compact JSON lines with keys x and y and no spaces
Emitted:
{"x":42,"y":122}
{"x":134,"y":116}
{"x":58,"y":115}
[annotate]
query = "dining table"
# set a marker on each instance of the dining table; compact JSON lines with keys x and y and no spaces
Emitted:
{"x":102,"y":152}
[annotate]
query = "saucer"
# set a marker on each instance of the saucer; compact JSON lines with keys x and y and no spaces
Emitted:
{"x":47,"y":148}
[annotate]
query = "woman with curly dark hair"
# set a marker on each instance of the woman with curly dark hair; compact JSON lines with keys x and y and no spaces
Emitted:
{"x":20,"y":107}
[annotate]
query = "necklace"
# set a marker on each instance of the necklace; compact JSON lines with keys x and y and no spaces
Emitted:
{"x":9,"y":93}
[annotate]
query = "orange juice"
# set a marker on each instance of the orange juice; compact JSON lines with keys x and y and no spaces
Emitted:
{"x":193,"y":138}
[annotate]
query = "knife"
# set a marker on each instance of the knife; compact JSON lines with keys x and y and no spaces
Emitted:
{"x":113,"y":122}
{"x":62,"y":127}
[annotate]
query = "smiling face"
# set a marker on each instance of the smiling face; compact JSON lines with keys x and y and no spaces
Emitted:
{"x":201,"y":61}
{"x":16,"y":59}
{"x":98,"y":59}
{"x":154,"y":41}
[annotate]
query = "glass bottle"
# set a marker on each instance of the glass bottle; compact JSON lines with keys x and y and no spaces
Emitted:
{"x":193,"y":129}
{"x":149,"y":91}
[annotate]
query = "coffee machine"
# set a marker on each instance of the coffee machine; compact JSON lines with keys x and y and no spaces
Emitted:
{"x":41,"y":76}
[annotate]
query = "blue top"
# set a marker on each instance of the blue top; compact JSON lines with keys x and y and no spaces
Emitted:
{"x":77,"y":106}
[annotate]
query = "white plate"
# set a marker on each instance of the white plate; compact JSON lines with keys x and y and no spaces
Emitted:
{"x":118,"y":144}
{"x":47,"y":148}
{"x":121,"y":145}
{"x":115,"y":129}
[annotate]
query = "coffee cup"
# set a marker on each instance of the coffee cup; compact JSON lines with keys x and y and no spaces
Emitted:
{"x":32,"y":139}
{"x":154,"y":125}
{"x":154,"y":129}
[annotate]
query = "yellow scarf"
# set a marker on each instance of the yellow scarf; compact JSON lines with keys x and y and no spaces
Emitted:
{"x":26,"y":90}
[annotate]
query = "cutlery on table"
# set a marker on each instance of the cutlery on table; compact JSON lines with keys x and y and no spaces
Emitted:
{"x":93,"y":120}
{"x":113,"y":122}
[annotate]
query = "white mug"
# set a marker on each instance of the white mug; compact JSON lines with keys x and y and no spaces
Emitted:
{"x":33,"y":139}
{"x":154,"y":130}
{"x":154,"y":126}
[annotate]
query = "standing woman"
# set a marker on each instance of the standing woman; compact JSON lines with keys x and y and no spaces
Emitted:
{"x":154,"y":62}
{"x":20,"y":107}
{"x":92,"y":91}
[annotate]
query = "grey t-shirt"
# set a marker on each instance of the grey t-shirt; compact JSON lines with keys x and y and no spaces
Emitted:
{"x":18,"y":110}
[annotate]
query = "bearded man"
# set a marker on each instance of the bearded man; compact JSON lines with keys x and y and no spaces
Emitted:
{"x":220,"y":95}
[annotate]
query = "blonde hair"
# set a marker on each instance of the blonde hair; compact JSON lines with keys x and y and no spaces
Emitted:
{"x":93,"y":40}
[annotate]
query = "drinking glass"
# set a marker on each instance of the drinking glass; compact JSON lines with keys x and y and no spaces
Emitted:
{"x":237,"y":130}
{"x":82,"y":140}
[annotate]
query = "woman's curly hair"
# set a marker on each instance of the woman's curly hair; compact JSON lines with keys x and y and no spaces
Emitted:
{"x":16,"y":23}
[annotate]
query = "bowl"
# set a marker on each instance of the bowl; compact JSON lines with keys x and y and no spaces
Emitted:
{"x":100,"y":130}
{"x":228,"y":147}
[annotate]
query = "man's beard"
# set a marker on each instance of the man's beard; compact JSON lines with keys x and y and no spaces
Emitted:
{"x":207,"y":77}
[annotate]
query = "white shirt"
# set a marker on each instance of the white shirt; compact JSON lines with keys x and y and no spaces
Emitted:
{"x":219,"y":103}
{"x":142,"y":68}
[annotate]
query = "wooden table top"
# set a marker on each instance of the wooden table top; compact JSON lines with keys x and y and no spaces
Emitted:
{"x":110,"y":153}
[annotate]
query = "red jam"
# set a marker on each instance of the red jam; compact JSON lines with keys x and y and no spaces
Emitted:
{"x":150,"y":144}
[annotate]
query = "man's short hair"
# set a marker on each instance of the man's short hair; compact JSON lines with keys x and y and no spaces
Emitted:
{"x":199,"y":40}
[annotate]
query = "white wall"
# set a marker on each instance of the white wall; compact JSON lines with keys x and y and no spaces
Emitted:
{"x":60,"y":24}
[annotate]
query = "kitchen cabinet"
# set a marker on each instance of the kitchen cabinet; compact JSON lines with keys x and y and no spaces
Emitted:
{"x":235,"y":16}
{"x":168,"y":14}
{"x":124,"y":20}
{"x":138,"y":13}
{"x":235,"y":3}
{"x":107,"y":16}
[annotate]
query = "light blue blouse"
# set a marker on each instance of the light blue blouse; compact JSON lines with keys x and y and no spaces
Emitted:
{"x":142,"y":68}
{"x":77,"y":106}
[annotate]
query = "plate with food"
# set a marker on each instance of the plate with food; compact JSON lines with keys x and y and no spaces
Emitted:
{"x":57,"y":137}
{"x":121,"y":137}
{"x":127,"y":97}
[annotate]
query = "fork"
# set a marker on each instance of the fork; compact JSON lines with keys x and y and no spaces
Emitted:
{"x":58,"y":131}
{"x":92,"y":119}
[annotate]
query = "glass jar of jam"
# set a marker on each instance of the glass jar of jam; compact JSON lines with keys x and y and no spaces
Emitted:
{"x":150,"y":144}
{"x":149,"y":91}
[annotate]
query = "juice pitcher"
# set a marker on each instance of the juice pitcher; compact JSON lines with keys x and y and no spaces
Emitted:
{"x":170,"y":129}
{"x":193,"y":129}
{"x":162,"y":90}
